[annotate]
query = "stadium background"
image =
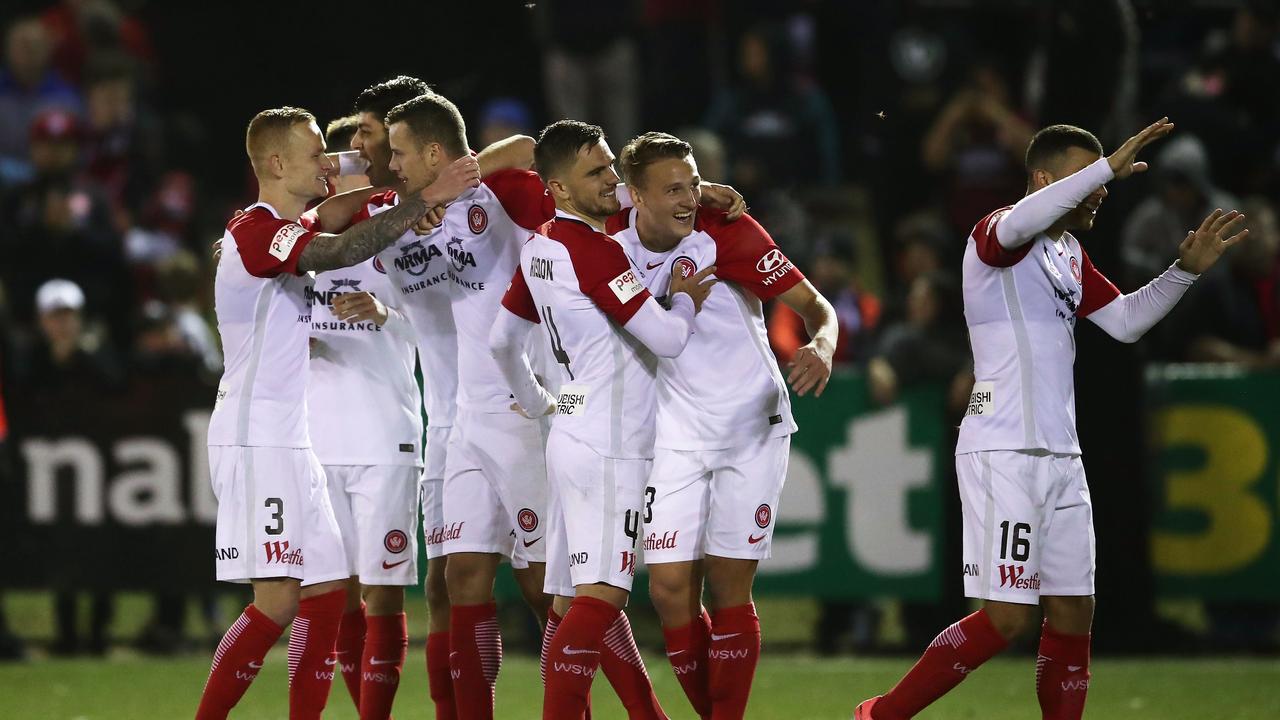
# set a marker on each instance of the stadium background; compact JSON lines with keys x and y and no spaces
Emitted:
{"x":867,"y":136}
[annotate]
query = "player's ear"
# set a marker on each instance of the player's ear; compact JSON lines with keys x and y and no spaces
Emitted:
{"x":558,"y":190}
{"x":276,"y":163}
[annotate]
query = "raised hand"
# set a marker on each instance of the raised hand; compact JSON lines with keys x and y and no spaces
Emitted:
{"x":359,"y":307}
{"x":723,"y":197}
{"x":693,"y":286}
{"x":461,"y":175}
{"x":1203,"y":246}
{"x":1122,"y":160}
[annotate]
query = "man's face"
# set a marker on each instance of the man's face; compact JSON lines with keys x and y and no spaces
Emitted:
{"x":372,"y":142}
{"x":591,"y":181}
{"x":670,"y":195}
{"x":414,"y":165}
{"x":305,"y":166}
{"x":1073,"y":161}
{"x":60,"y":326}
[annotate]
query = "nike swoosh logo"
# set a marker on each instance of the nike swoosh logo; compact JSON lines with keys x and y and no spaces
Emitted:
{"x":376,"y":661}
{"x":255,"y":665}
{"x":753,"y":539}
{"x":452,"y":654}
{"x":673,"y":654}
{"x":1073,"y":668}
{"x":579,"y":651}
{"x":331,"y":661}
{"x":650,"y":267}
{"x":718,"y":638}
{"x":385,"y":566}
{"x":527,"y":543}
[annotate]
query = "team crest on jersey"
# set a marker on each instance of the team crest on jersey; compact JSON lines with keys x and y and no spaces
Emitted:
{"x":477,"y":219}
{"x":764,"y":514}
{"x":377,"y":265}
{"x":684,"y":265}
{"x":1075,"y":269}
{"x":395,"y":542}
{"x":528,"y":519}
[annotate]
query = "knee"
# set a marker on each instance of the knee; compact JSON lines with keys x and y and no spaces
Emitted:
{"x":437,"y":593}
{"x":384,"y":599}
{"x":469,"y":582}
{"x":672,"y":597}
{"x":1070,"y":615}
{"x":1012,"y":621}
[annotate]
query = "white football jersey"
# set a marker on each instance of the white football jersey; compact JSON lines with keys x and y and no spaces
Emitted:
{"x":264,"y":318}
{"x":418,"y":270}
{"x":362,"y":396}
{"x":696,"y":411}
{"x":484,"y":230}
{"x":1021,"y":307}
{"x":580,"y":285}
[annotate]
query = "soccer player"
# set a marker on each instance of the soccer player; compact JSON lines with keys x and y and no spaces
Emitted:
{"x":720,"y":458}
{"x":416,"y":268}
{"x":275,"y":526}
{"x":366,"y":428}
{"x":603,"y":328}
{"x":1028,"y":523}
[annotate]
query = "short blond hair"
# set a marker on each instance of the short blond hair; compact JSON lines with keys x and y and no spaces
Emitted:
{"x":269,"y":132}
{"x":647,"y":149}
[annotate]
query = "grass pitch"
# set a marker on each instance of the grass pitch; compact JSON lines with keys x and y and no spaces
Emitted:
{"x":786,"y":688}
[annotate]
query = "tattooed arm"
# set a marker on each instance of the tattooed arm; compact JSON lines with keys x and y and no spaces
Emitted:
{"x":362,"y":240}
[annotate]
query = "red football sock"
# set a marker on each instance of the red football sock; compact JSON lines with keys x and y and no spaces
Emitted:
{"x":236,"y":662}
{"x":733,"y":654}
{"x":687,"y":652}
{"x":311,"y":660}
{"x":474,"y":659}
{"x":574,"y":657}
{"x":548,"y":632}
{"x":1062,"y":674}
{"x":956,"y":652}
{"x":439,"y":680}
{"x":620,"y":659}
{"x":350,"y":649}
{"x":381,"y":665}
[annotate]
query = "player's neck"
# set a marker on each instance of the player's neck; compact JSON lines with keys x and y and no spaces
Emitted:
{"x":568,"y":207}
{"x":289,"y":206}
{"x":1056,"y":230}
{"x":653,"y":236}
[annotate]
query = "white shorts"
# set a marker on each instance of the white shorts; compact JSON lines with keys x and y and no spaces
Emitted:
{"x":431,"y":490}
{"x":1028,"y":526}
{"x":274,"y":511}
{"x":377,"y":513}
{"x":495,"y":487}
{"x":714,"y":502}
{"x":593,"y":536}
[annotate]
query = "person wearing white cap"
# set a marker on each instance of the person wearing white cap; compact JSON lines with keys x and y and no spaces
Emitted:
{"x":58,"y":306}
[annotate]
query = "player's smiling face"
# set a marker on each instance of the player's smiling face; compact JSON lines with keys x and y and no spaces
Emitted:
{"x":413,"y":165}
{"x":592,"y":182}
{"x":372,"y":143}
{"x":667,"y":198}
{"x":305,"y":166}
{"x":1073,"y":161}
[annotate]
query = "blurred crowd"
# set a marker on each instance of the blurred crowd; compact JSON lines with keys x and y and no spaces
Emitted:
{"x":867,"y":137}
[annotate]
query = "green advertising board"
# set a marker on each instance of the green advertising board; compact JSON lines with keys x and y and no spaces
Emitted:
{"x":1214,"y":431}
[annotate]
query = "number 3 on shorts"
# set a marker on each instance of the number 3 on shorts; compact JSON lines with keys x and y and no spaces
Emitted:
{"x":278,"y":516}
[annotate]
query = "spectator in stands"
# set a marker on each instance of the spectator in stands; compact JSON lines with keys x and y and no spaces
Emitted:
{"x":831,"y":272}
{"x":929,"y":345}
{"x":80,"y":29}
{"x":778,"y":126}
{"x":179,"y":284}
{"x":1185,"y":194}
{"x":592,"y":64}
{"x":503,"y":117}
{"x":975,"y":148}
{"x":28,"y":87}
{"x":59,"y":224}
{"x":123,"y":142}
{"x":62,"y":370}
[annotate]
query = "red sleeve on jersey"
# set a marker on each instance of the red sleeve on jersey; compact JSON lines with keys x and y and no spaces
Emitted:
{"x":746,"y":255}
{"x":618,"y":221}
{"x":376,"y":200}
{"x":1097,"y":291}
{"x":523,"y":196}
{"x":268,"y":245}
{"x":519,"y":300}
{"x":990,"y":251}
{"x":604,"y":273}
{"x":310,"y":220}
